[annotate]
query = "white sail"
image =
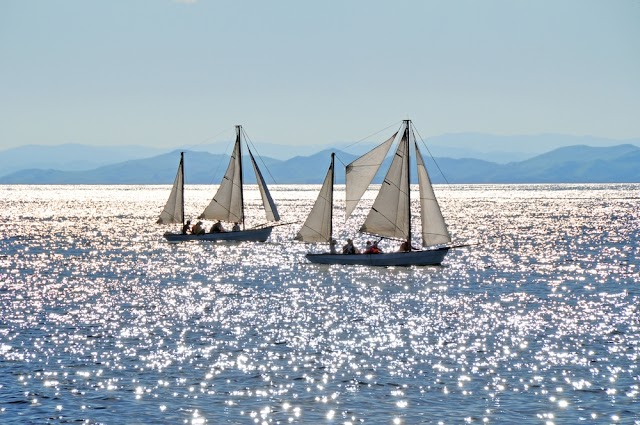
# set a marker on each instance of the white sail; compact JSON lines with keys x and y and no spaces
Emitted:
{"x":361,"y":171}
{"x":226,"y":204}
{"x":317,"y":227}
{"x":269,"y":206}
{"x":389,"y":215}
{"x":434,"y":229}
{"x":173,"y":211}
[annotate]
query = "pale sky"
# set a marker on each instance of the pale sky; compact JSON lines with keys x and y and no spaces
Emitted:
{"x":166,"y":73}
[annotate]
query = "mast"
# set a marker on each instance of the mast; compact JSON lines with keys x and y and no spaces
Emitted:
{"x":407,"y":146}
{"x":238,"y":136}
{"x":333,"y":180}
{"x":182,"y":186}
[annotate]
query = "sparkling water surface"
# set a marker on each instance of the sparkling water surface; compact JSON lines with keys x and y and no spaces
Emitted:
{"x":102,"y":321}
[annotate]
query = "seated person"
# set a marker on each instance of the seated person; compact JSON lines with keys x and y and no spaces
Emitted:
{"x":198,"y":229}
{"x":217,"y":227}
{"x":348,"y":248}
{"x":236,"y":227}
{"x":186,"y":227}
{"x":372,"y":248}
{"x":405,"y":246}
{"x":332,"y":246}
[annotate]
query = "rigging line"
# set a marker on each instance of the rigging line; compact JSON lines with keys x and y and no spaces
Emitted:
{"x":395,"y":226}
{"x":339,"y":160}
{"x":169,"y":213}
{"x":225,"y":209}
{"x":212,"y":179}
{"x":431,"y":155}
{"x":371,"y":135}
{"x":259,"y":156}
{"x":212,"y":137}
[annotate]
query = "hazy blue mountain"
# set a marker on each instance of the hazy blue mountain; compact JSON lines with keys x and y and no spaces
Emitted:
{"x":200,"y":168}
{"x":570,"y":164}
{"x":576,"y":164}
{"x":447,"y":146}
{"x":485,"y":147}
{"x":493,"y":148}
{"x":499,"y":148}
{"x":311,"y":169}
{"x":270,"y":150}
{"x":69,"y":157}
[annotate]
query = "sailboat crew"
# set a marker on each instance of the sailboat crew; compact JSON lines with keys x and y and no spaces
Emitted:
{"x":217,"y":227}
{"x":332,"y":246}
{"x":349,"y":248}
{"x":186,"y":227}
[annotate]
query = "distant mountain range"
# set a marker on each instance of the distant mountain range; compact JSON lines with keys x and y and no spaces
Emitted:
{"x":69,"y":157}
{"x":572,"y":164}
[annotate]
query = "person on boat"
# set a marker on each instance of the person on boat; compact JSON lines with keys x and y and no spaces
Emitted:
{"x":349,"y":248}
{"x":186,"y":227}
{"x":405,"y":246}
{"x":236,"y":227}
{"x":198,"y":229}
{"x":372,"y":248}
{"x":217,"y":227}
{"x":332,"y":246}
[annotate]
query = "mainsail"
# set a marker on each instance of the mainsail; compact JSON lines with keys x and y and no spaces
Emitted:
{"x":361,"y":172}
{"x":390,"y":215}
{"x":226,"y":204}
{"x":317,"y":227}
{"x":173,"y":211}
{"x":434,"y":229}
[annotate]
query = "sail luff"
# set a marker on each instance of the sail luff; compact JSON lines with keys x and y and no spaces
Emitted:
{"x":267,"y":201}
{"x":173,"y":211}
{"x":360,"y":173}
{"x":389,"y":215}
{"x":434,"y":228}
{"x":318,"y":225}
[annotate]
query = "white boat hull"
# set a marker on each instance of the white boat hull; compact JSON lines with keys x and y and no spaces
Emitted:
{"x":251,"y":235}
{"x":413,"y":258}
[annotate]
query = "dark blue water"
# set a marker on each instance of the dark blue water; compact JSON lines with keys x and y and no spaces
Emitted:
{"x":104,"y":322}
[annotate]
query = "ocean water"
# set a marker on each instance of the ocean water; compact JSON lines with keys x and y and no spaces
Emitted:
{"x":102,"y":321}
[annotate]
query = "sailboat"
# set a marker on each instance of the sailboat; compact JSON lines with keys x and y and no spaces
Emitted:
{"x":390,"y":215}
{"x":227,"y":204}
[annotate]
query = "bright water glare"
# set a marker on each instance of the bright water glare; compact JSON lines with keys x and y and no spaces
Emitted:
{"x":536,"y":322}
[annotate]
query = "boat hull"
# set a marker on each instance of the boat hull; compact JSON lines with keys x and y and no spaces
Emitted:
{"x":413,"y":258}
{"x":251,"y":235}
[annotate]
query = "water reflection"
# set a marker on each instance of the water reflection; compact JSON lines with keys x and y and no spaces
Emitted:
{"x":102,"y":319}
